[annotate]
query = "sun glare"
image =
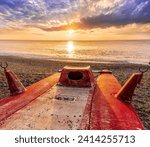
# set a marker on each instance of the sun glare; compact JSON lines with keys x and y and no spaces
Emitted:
{"x":71,"y":31}
{"x":70,"y":48}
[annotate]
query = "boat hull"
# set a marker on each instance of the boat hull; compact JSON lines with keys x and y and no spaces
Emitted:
{"x":47,"y":105}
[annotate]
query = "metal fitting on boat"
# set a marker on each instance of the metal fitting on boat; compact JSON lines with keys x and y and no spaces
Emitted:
{"x":15,"y":86}
{"x":76,"y":77}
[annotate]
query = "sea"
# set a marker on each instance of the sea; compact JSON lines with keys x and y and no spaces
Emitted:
{"x":133,"y":51}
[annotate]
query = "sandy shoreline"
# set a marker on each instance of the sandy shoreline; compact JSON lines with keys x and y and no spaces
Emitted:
{"x":33,"y":70}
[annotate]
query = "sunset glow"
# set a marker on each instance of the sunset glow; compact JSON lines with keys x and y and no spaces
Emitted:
{"x":74,"y":20}
{"x":71,"y":31}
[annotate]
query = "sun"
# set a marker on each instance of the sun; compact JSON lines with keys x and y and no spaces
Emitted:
{"x":71,"y":31}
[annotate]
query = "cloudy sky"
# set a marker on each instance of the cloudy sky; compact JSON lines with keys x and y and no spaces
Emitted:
{"x":74,"y":19}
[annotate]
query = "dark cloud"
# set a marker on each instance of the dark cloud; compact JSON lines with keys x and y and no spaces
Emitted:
{"x":134,"y":11}
{"x":112,"y":20}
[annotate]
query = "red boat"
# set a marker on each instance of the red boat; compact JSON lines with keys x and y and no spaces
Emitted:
{"x":71,"y":99}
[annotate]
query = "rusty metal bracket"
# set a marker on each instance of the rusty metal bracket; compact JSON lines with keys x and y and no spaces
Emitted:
{"x":4,"y":66}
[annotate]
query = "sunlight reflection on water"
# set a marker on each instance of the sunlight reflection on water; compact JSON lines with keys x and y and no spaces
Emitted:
{"x":124,"y":51}
{"x":70,"y":49}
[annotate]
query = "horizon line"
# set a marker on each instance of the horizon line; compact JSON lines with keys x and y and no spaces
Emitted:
{"x":74,"y":40}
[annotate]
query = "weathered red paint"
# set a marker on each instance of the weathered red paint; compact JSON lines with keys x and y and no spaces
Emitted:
{"x":87,"y":79}
{"x":127,"y":90}
{"x":108,"y":112}
{"x":15,"y":86}
{"x":11,"y":104}
{"x":85,"y":122}
{"x":103,"y":110}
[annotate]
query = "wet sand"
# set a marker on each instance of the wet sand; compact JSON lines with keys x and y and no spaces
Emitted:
{"x":33,"y":70}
